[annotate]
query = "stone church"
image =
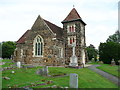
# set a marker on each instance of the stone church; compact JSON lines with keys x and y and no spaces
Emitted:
{"x":48,"y":44}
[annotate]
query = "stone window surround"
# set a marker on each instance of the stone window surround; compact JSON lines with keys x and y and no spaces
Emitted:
{"x":70,"y":28}
{"x":34,"y":42}
{"x":73,"y":38}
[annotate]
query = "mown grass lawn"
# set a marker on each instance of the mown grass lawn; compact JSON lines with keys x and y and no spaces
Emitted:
{"x":109,"y":69}
{"x":8,"y":63}
{"x":25,"y":77}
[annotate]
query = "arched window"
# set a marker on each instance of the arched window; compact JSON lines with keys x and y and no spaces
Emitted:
{"x":73,"y":28}
{"x":38,"y":46}
{"x":71,"y":40}
{"x":70,"y":29}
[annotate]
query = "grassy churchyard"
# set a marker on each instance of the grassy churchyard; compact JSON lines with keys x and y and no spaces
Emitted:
{"x":108,"y":68}
{"x":58,"y":77}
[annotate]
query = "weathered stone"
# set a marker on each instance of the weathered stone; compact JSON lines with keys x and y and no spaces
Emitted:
{"x":73,"y":80}
{"x":46,"y":71}
{"x":73,"y":59}
{"x":112,"y":62}
{"x":43,"y":72}
{"x":6,"y":78}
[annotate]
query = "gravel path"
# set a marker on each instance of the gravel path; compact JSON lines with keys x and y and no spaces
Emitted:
{"x":106,"y":75}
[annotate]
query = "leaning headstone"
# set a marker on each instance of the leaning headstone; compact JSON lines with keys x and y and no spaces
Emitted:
{"x":73,"y":80}
{"x":6,"y":78}
{"x":112,"y":62}
{"x":18,"y":64}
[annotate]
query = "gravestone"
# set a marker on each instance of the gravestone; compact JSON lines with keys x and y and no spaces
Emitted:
{"x":13,"y":72}
{"x":18,"y":64}
{"x":43,"y":71}
{"x":73,"y":59}
{"x":73,"y":80}
{"x":38,"y":72}
{"x":112,"y":62}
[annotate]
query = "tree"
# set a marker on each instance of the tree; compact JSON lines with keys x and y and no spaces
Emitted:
{"x":92,"y":52}
{"x":115,"y":37}
{"x":8,"y":49}
{"x":109,"y":51}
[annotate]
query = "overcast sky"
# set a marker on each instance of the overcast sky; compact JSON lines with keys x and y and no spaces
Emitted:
{"x":17,"y":16}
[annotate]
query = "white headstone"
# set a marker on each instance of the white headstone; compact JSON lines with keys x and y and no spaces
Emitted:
{"x":73,"y":80}
{"x":13,"y":72}
{"x":18,"y":64}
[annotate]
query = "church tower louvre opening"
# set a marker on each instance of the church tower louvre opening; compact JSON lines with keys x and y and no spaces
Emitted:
{"x":48,"y":44}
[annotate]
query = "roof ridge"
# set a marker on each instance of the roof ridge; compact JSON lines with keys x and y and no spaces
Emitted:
{"x":51,"y":23}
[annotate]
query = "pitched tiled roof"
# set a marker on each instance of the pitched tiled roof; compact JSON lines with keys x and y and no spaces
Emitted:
{"x":57,"y":30}
{"x":73,"y":15}
{"x":22,"y":39}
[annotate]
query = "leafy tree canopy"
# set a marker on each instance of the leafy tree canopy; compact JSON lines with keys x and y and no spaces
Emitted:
{"x":115,"y":37}
{"x":92,"y":52}
{"x":109,"y":51}
{"x":8,"y":49}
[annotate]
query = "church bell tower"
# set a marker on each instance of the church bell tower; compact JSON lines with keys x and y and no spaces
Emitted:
{"x":74,"y":33}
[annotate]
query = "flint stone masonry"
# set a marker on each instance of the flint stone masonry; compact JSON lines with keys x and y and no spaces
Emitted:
{"x":55,"y":49}
{"x":73,"y":80}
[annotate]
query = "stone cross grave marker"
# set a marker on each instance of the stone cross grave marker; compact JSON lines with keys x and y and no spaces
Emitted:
{"x":73,"y":58}
{"x":73,"y":80}
{"x":18,"y":64}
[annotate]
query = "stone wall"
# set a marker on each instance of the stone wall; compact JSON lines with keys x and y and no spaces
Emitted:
{"x":51,"y":54}
{"x":80,"y":42}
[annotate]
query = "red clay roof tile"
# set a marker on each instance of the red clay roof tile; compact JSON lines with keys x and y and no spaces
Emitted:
{"x":73,"y":15}
{"x":23,"y":37}
{"x":53,"y":27}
